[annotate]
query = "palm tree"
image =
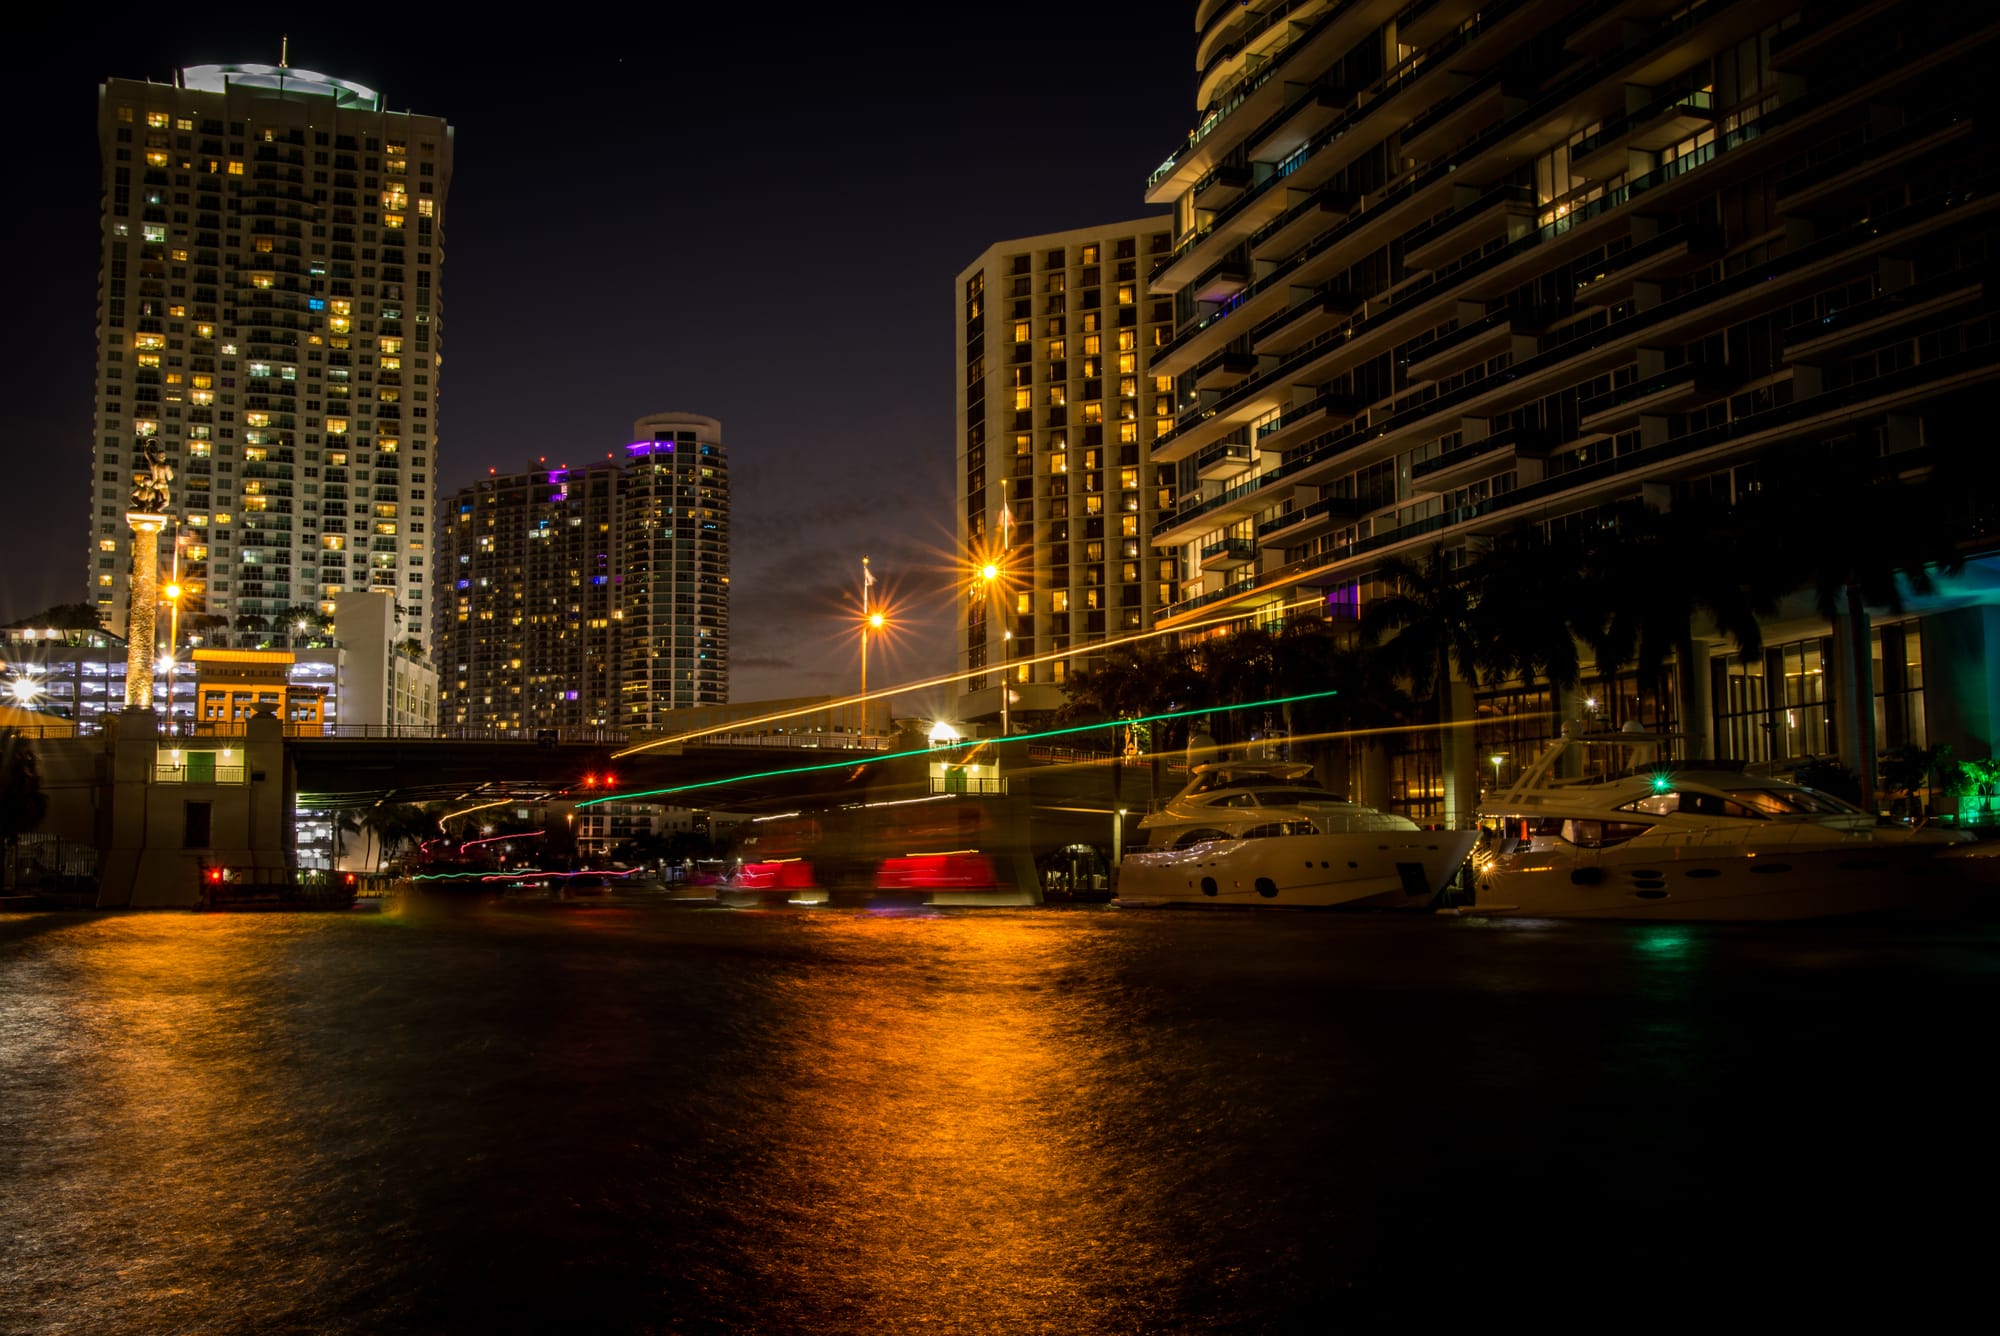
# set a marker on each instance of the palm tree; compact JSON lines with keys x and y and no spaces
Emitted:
{"x":1137,"y":681}
{"x":1534,"y":606}
{"x":22,"y":802}
{"x":1441,"y":628}
{"x":1844,"y":523}
{"x":1657,"y":573}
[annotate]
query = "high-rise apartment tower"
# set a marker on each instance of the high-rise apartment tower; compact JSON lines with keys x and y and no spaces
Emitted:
{"x":1058,"y":407}
{"x":1448,"y":268}
{"x":591,"y":597}
{"x":270,"y":321}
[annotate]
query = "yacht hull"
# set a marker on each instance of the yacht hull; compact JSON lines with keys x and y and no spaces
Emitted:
{"x":1387,"y":868}
{"x":1774,"y":884}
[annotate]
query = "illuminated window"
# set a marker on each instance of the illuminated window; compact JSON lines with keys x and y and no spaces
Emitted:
{"x":262,"y":280}
{"x":392,"y":364}
{"x":1128,"y":294}
{"x":107,"y":545}
{"x":156,"y":159}
{"x":1092,"y":345}
{"x":341,"y":307}
{"x":1059,"y":601}
{"x":338,"y":324}
{"x":392,"y":345}
{"x":157,"y":119}
{"x":258,"y":419}
{"x":1024,"y":398}
{"x":336,"y":426}
{"x":125,"y":114}
{"x":236,"y":169}
{"x":1127,"y":340}
{"x":1022,"y":331}
{"x":149,"y":359}
{"x":392,"y":220}
{"x":154,"y":232}
{"x":424,"y":207}
{"x":183,"y":123}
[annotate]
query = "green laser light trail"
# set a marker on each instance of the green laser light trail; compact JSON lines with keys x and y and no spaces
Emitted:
{"x":954,"y":746}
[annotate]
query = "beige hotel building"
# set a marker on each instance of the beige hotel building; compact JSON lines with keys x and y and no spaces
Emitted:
{"x":1058,"y":408}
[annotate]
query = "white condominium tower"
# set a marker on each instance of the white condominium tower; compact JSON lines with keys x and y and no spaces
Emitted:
{"x":269,"y":321}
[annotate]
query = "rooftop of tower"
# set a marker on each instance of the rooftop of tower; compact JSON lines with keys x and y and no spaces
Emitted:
{"x":282,"y":80}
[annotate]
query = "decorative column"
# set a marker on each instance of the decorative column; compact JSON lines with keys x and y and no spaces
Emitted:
{"x":147,"y":517}
{"x":140,"y":651}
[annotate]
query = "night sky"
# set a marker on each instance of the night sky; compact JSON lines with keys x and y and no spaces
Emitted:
{"x":756,"y":219}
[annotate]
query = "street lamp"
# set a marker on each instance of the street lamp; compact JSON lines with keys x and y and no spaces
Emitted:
{"x":25,"y":689}
{"x":1496,"y":758}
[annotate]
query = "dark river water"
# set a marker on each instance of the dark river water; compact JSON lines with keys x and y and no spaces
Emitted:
{"x":492,"y":1116}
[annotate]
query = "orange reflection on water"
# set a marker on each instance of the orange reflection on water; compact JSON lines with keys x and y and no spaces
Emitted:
{"x":168,"y":1035}
{"x":938,"y":1165}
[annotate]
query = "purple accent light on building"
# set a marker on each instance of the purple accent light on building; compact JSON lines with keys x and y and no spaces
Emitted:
{"x":649,"y":447}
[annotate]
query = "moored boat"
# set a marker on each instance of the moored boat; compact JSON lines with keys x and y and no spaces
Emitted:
{"x":1262,"y":833}
{"x":1602,"y":827}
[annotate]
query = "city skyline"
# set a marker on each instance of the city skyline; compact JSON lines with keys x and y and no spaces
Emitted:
{"x":562,"y":200}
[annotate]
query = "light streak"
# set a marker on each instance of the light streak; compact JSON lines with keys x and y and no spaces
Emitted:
{"x":948,"y":679}
{"x":962,"y":745}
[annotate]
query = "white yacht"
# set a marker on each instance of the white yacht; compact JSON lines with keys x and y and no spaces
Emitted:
{"x":1602,"y":827}
{"x":1262,"y":833}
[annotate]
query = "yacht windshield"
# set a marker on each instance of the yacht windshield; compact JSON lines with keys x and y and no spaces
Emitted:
{"x":1793,"y":801}
{"x":1288,"y":797}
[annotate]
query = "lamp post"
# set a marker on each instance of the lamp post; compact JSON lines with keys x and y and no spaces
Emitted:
{"x":172,"y":594}
{"x":1006,"y":681}
{"x":872,"y":619}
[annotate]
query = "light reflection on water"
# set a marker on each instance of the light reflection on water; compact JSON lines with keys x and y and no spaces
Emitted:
{"x":465,"y":1115}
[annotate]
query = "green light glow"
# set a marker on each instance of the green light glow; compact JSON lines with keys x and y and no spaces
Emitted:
{"x":1662,"y":783}
{"x":955,"y":746}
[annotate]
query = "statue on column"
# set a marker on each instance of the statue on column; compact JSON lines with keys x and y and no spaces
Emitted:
{"x":149,"y":489}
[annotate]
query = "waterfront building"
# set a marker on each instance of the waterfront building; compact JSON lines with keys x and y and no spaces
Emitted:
{"x":362,"y":676}
{"x":1058,"y":406}
{"x":591,"y":597}
{"x":270,"y":317}
{"x":1443,"y":269}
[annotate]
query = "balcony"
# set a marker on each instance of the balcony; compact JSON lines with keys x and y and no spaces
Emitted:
{"x":1295,"y":328}
{"x":1472,"y":344}
{"x":1677,"y":250}
{"x":1222,"y":187}
{"x":1482,"y":458}
{"x":1257,"y":93}
{"x":1668,"y":392}
{"x":1650,"y":128}
{"x":1222,"y":282}
{"x":1219,"y":462}
{"x":1503,"y":213}
{"x":1851,"y":169}
{"x":1301,"y":223}
{"x":1228,"y":554}
{"x":1901,"y":312}
{"x":1422,"y":24}
{"x":1480,"y":102}
{"x":1296,"y":126}
{"x":1308,"y":521}
{"x":1225,"y":370}
{"x":1305,"y":421}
